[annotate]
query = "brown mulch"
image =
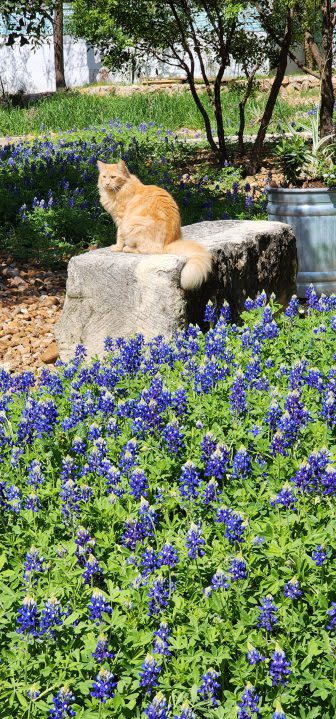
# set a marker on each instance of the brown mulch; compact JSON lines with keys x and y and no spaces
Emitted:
{"x":31,"y":300}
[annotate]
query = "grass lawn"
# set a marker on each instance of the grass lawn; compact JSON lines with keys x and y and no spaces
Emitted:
{"x":68,"y":110}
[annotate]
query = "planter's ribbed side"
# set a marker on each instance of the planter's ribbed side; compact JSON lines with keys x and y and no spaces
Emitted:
{"x":312,"y":215}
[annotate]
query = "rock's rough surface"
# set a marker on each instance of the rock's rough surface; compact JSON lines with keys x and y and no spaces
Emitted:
{"x":117,"y":294}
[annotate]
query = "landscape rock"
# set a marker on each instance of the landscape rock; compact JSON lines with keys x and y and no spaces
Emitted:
{"x":117,"y":294}
{"x":51,"y":354}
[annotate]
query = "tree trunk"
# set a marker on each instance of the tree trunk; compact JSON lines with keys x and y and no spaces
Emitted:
{"x":327,"y":90}
{"x":220,"y":152}
{"x":242,"y":105}
{"x":309,"y":61}
{"x":272,"y":98}
{"x":58,"y":45}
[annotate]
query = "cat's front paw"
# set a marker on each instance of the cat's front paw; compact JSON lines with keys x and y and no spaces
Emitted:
{"x":115,"y":248}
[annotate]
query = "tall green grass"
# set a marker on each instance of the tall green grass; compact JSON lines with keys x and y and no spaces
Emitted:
{"x":68,"y":110}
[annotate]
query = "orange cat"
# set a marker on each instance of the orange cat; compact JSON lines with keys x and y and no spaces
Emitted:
{"x":148,"y":221}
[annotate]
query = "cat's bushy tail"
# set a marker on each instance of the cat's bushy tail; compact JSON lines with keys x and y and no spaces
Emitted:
{"x":198,"y":266}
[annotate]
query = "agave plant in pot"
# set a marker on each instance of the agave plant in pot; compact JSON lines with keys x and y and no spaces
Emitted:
{"x":307,"y":202}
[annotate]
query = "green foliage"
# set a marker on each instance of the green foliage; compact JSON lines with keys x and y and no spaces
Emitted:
{"x":26,"y":20}
{"x":301,"y":159}
{"x":292,"y":154}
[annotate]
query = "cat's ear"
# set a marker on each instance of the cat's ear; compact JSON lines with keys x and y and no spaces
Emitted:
{"x":123,"y":168}
{"x":100,"y":165}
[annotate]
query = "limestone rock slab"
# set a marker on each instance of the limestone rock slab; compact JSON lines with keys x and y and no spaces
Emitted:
{"x":116,"y":294}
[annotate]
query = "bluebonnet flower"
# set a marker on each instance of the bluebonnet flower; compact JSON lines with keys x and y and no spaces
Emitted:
{"x":210,"y":313}
{"x":217,"y":464}
{"x":297,"y":374}
{"x":112,"y":429}
{"x":195,"y":542}
{"x":27,"y":617}
{"x":179,"y":401}
{"x":238,"y":403}
{"x":12,"y":497}
{"x":279,"y":712}
{"x":225,"y":312}
{"x":173,"y":437}
{"x":101,"y":652}
{"x":149,"y":562}
{"x":62,"y":701}
{"x":91,"y":569}
{"x":285,"y":498}
{"x":128,"y":458}
{"x":278,"y":444}
{"x":257,"y":541}
{"x":78,"y":446}
{"x":211,"y":492}
{"x":315,"y":474}
{"x":238,"y":569}
{"x":210,"y":686}
{"x":328,"y":480}
{"x":248,"y":704}
{"x":293,"y":307}
{"x":254,"y":657}
{"x":292,"y":589}
{"x":219,"y":580}
{"x":138,"y":484}
{"x":32,"y":502}
{"x":208,"y":374}
{"x":136,"y":531}
{"x":84,"y":545}
{"x":161,"y":641}
{"x":98,"y":606}
{"x":159,"y":595}
{"x":186,"y":713}
{"x":35,"y":474}
{"x":279,"y":668}
{"x":273,"y":415}
{"x":103,"y":686}
{"x":112,"y":477}
{"x":319,"y":555}
{"x":94,"y":432}
{"x":168,"y":556}
{"x":149,"y":673}
{"x":208,"y":446}
{"x":314,"y":379}
{"x":311,"y":297}
{"x":189,"y":481}
{"x":235,"y":525}
{"x":51,"y":616}
{"x":332,"y":615}
{"x":33,"y":692}
{"x":267,"y":613}
{"x":157,"y":709}
{"x":72,"y":495}
{"x":33,"y":563}
{"x":241,"y":463}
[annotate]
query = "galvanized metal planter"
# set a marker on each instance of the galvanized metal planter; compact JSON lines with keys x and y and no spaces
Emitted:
{"x":312,"y":215}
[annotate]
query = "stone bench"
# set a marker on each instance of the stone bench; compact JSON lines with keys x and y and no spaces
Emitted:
{"x":116,"y":294}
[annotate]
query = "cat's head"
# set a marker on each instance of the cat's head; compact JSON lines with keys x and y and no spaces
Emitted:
{"x":112,"y":177}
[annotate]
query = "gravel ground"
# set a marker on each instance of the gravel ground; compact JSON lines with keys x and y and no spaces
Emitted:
{"x":31,"y":301}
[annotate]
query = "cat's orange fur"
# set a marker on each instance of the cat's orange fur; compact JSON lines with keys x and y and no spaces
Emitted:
{"x":148,"y":221}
